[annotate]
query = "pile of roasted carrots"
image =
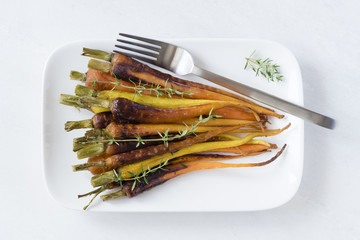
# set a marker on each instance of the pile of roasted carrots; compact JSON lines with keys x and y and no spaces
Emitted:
{"x":149,"y":127}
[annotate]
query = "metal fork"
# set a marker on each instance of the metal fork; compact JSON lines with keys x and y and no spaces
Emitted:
{"x":180,"y":61}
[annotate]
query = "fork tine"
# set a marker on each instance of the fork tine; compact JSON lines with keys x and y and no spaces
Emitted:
{"x":145,"y":59}
{"x":148,"y":40}
{"x":147,"y":53}
{"x":155,"y":49}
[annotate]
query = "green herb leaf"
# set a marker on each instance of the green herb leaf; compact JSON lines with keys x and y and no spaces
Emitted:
{"x":263,"y":67}
{"x":133,"y":186}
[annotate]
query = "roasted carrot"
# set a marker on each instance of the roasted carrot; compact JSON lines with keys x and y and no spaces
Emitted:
{"x":246,"y":149}
{"x":235,"y":113}
{"x":97,"y":140}
{"x":98,"y":158}
{"x":135,"y":73}
{"x":229,"y":113}
{"x":115,"y":161}
{"x":152,"y":101}
{"x":123,"y":131}
{"x":89,"y":147}
{"x":126,"y":109}
{"x":99,"y":80}
{"x":102,"y":81}
{"x":127,"y":146}
{"x":159,"y":177}
{"x":154,"y":161}
{"x":103,"y":119}
{"x":122,"y":147}
{"x":126,"y":68}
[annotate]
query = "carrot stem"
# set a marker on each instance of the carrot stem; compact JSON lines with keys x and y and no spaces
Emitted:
{"x":71,"y":125}
{"x":75,"y":75}
{"x":99,"y":65}
{"x":85,"y":166}
{"x":91,"y":150}
{"x":99,"y":54}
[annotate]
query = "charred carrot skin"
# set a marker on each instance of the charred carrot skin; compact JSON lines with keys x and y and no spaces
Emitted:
{"x":101,"y":120}
{"x":127,"y":68}
{"x":153,"y":180}
{"x":137,"y":73}
{"x":126,"y":109}
{"x":122,"y":147}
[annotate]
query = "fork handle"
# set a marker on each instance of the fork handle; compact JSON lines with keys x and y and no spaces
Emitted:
{"x":266,"y":98}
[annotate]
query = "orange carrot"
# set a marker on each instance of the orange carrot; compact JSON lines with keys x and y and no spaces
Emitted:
{"x":234,"y":113}
{"x":99,"y":158}
{"x":102,"y":81}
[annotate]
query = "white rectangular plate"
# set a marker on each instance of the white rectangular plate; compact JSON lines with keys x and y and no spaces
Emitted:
{"x":238,"y":189}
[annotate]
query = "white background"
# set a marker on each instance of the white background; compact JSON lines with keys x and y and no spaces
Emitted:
{"x":323,"y":35}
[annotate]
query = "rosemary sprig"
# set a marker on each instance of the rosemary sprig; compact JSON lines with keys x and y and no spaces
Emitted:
{"x":264,"y":67}
{"x":164,"y":136}
{"x":141,"y":175}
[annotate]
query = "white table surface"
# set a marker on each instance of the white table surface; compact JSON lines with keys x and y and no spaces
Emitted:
{"x":323,"y":35}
